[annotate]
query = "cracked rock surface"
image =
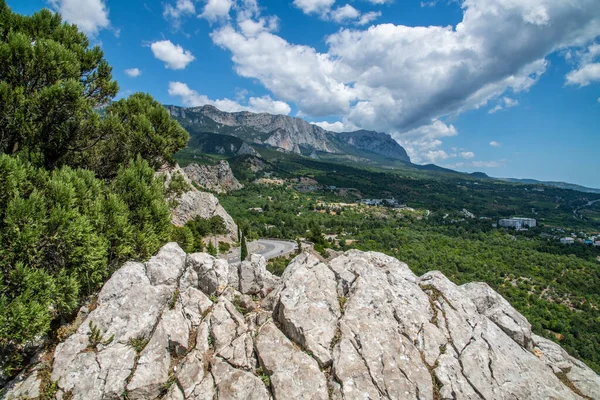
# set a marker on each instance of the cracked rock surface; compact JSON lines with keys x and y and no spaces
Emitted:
{"x":361,"y":326}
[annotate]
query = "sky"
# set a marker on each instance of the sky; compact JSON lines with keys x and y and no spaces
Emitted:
{"x":507,"y":87}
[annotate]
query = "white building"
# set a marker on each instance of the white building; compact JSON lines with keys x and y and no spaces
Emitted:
{"x":567,"y":240}
{"x":518,"y":223}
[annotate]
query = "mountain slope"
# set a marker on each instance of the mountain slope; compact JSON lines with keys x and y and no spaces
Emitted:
{"x":292,"y":134}
{"x":561,"y":185}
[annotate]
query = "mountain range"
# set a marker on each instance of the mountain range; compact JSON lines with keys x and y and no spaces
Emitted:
{"x":285,"y":133}
{"x":231,"y":134}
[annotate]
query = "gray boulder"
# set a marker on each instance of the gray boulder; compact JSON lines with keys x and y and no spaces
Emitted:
{"x":361,"y":326}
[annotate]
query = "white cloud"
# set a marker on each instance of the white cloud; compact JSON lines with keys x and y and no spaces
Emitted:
{"x":585,"y":75}
{"x":314,"y":6}
{"x":467,"y":155}
{"x":191,"y":98}
{"x":133,"y":72}
{"x":504,"y":103}
{"x":369,"y":17}
{"x":216,"y":9}
{"x":344,"y":13}
{"x":399,"y":79}
{"x":428,"y":3}
{"x":174,"y":56}
{"x":174,"y":13}
{"x":598,"y":99}
{"x":338,"y":126}
{"x":267,"y":105}
{"x":493,"y":143}
{"x":90,"y":16}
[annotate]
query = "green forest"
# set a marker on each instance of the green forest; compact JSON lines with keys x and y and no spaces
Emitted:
{"x":556,"y":287}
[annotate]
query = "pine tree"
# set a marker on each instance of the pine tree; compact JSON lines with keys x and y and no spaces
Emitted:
{"x":211,"y":249}
{"x":244,"y":249}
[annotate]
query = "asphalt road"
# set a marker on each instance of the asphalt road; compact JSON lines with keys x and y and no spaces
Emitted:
{"x":266,"y":248}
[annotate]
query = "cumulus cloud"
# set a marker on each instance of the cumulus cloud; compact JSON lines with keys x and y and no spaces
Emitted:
{"x":314,"y":6}
{"x":402,"y":79}
{"x":368,"y":17}
{"x":588,"y":70}
{"x":90,"y":16}
{"x":174,"y":56}
{"x":338,"y":126}
{"x":467,"y":155}
{"x":216,"y":9}
{"x":493,"y":143}
{"x":133,"y":72}
{"x":503,"y":104}
{"x":343,"y":14}
{"x":192,"y":98}
{"x":585,"y":75}
{"x":174,"y":12}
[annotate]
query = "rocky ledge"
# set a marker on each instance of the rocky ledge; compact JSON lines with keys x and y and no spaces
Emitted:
{"x":361,"y":326}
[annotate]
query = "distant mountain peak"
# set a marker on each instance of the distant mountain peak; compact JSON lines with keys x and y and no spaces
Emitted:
{"x":289,"y":133}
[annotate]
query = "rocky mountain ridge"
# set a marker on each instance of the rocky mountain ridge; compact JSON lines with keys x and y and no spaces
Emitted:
{"x":217,"y":178}
{"x":359,"y":326}
{"x":292,"y":134}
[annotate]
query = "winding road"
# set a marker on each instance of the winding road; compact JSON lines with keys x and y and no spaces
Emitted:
{"x":265,"y":247}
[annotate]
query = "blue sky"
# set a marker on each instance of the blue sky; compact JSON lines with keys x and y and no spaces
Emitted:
{"x":508,"y":87}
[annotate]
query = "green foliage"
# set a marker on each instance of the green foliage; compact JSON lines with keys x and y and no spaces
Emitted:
{"x":137,"y":125}
{"x":555,"y":286}
{"x":51,"y":80}
{"x":178,"y":185}
{"x":224,"y":247}
{"x":211,"y":249}
{"x":61,"y":235}
{"x":277,"y":265}
{"x":138,"y":343}
{"x":95,"y":336}
{"x":244,"y":248}
{"x":51,"y":86}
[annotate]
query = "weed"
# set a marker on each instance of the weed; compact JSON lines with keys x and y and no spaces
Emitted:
{"x":174,"y":299}
{"x":138,"y":343}
{"x":95,"y":336}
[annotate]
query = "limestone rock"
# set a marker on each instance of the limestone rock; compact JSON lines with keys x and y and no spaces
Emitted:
{"x":253,"y":277}
{"x":236,"y":384}
{"x":293,"y":373}
{"x":569,"y":369}
{"x":361,"y":326}
{"x":216,"y":178}
{"x":500,"y":312}
{"x":195,"y":203}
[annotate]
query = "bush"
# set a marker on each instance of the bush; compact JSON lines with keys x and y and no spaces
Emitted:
{"x":62,"y":234}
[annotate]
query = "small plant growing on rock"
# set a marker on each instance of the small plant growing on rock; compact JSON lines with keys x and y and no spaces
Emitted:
{"x":174,"y":299}
{"x":138,"y":343}
{"x":95,"y":336}
{"x":263,"y":376}
{"x":213,"y":298}
{"x":237,"y":303}
{"x":342,"y":300}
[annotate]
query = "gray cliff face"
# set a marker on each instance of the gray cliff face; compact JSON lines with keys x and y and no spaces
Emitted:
{"x":217,"y":178}
{"x":194,"y":203}
{"x":361,"y":326}
{"x":288,"y":133}
{"x":375,"y":142}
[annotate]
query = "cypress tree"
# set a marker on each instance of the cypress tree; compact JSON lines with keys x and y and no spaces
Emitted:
{"x":244,"y":249}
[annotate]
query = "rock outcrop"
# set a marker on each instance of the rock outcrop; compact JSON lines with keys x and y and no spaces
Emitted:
{"x":217,"y":178}
{"x":361,"y":326}
{"x":193,"y":203}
